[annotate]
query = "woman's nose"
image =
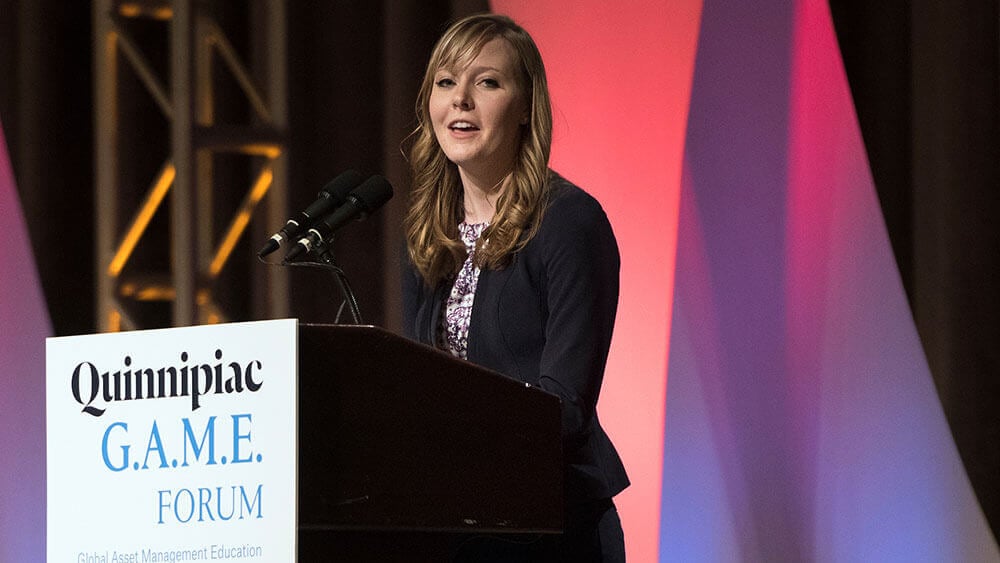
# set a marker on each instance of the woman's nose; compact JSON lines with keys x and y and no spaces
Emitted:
{"x":462,"y":99}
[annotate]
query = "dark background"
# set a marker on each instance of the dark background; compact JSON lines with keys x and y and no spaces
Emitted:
{"x":924,"y":76}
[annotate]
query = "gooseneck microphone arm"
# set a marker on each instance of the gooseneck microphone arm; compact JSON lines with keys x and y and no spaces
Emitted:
{"x":325,"y":257}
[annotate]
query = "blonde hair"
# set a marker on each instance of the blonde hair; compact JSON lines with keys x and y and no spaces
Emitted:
{"x":431,"y":224}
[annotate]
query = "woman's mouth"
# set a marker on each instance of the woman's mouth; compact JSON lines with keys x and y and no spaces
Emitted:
{"x":462,"y":126}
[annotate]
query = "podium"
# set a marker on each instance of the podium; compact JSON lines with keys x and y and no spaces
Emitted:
{"x":272,"y":440}
{"x":402,"y":448}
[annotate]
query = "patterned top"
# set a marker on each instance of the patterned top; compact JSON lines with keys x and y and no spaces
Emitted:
{"x":454,"y":332}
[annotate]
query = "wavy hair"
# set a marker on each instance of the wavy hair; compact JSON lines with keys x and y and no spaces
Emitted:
{"x":436,"y":209}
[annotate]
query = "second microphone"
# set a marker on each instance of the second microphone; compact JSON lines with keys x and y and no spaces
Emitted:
{"x":359,"y":204}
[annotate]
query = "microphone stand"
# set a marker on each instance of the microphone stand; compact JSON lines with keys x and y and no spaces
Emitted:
{"x":324,"y":255}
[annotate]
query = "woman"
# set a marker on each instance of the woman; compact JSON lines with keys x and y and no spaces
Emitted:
{"x":513,"y":267}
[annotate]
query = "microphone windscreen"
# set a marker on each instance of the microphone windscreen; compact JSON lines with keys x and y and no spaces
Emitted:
{"x":340,"y":187}
{"x":373,"y":193}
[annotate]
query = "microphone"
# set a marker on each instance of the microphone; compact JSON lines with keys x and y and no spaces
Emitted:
{"x":362,"y":202}
{"x":331,"y":196}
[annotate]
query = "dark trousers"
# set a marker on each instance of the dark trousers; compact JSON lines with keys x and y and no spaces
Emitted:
{"x":592,"y":534}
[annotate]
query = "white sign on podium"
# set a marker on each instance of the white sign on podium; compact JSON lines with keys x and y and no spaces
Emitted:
{"x":172,"y":445}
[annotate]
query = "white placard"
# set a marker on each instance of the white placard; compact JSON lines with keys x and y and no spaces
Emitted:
{"x":172,"y":445}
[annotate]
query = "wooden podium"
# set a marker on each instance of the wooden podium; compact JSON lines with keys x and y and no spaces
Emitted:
{"x":402,"y":449}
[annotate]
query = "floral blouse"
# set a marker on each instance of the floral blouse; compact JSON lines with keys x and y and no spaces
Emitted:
{"x":454,"y":330}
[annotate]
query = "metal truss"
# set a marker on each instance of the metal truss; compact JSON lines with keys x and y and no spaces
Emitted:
{"x":185,"y":184}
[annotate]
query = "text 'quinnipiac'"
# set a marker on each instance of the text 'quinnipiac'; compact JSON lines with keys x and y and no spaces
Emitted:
{"x":96,"y":389}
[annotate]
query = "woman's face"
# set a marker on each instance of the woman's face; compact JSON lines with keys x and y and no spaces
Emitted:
{"x":478,"y":111}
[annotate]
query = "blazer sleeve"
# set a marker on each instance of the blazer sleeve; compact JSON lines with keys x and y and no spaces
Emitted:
{"x":581,"y":263}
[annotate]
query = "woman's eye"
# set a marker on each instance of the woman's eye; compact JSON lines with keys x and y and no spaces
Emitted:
{"x":490,"y":83}
{"x":444,"y":82}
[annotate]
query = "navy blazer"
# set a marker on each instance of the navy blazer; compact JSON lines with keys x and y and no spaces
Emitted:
{"x":546,"y":319}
